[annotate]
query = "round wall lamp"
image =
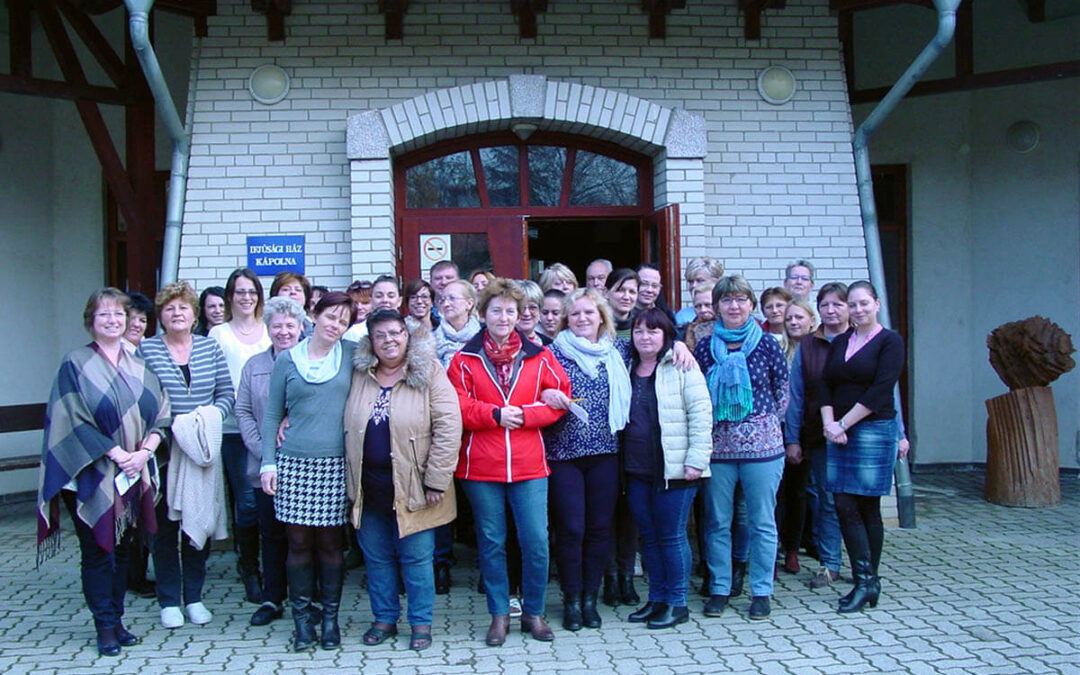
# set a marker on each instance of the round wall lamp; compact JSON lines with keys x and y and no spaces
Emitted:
{"x":1022,"y":136}
{"x":268,"y":84}
{"x":776,"y":84}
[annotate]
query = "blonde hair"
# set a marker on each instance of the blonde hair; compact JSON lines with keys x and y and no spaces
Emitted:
{"x":607,"y":319}
{"x":101,"y":295}
{"x":467,"y":291}
{"x":556,"y":271}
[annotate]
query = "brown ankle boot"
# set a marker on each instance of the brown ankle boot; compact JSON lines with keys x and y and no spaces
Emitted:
{"x":496,"y":635}
{"x":537,"y":627}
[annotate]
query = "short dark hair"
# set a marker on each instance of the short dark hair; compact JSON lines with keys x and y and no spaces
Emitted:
{"x":866,"y":286}
{"x":230,"y":289}
{"x":383,"y":316}
{"x":837,"y":288}
{"x":554,"y":293}
{"x":336,"y":299}
{"x":445,"y":263}
{"x":653,"y":317}
{"x":138,"y":302}
{"x":386,"y":279}
{"x":283,"y":278}
{"x":617,"y":277}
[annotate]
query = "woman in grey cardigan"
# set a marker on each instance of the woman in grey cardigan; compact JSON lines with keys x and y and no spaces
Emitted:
{"x":284,"y":319}
{"x":306,"y":475}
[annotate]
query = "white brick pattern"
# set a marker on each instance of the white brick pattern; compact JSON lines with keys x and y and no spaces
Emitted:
{"x":776,"y":182}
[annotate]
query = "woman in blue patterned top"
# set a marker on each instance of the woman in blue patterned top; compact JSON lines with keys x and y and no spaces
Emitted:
{"x":748,"y":383}
{"x":583,"y":454}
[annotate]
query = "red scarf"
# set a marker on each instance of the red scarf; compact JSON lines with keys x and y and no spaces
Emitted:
{"x":503,"y":357}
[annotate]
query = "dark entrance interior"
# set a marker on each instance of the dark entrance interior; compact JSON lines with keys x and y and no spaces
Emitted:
{"x":577,"y":242}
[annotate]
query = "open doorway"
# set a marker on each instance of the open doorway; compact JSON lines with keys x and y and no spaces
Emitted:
{"x":576,"y":242}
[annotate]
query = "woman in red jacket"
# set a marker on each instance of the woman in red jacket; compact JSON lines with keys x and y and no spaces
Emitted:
{"x":499,"y":375}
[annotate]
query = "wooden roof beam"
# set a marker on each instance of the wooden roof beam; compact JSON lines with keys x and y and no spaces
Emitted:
{"x":95,"y":42}
{"x":20,"y":28}
{"x":658,"y":11}
{"x":752,"y":10}
{"x":198,"y":10}
{"x":997,"y":78}
{"x":526,"y":11}
{"x":858,"y":5}
{"x":275,"y":11}
{"x":395,"y":17}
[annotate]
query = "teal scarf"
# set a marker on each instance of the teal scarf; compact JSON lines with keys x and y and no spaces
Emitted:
{"x":316,"y":372}
{"x":729,"y":377}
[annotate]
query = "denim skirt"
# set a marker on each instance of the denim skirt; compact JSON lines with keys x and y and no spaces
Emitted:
{"x":865,"y":465}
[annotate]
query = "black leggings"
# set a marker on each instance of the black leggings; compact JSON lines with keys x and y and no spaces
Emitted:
{"x":305,"y":539}
{"x":860,"y":523}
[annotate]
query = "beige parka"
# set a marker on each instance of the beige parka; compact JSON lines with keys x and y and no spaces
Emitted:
{"x":425,"y":435}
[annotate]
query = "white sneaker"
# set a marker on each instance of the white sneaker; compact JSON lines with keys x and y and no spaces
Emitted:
{"x":198,"y":613}
{"x":172,"y":617}
{"x":515,"y":607}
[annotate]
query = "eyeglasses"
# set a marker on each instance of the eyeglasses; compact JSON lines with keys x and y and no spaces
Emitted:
{"x":358,"y":286}
{"x":420,"y":296}
{"x":799,"y":277}
{"x":110,"y":315}
{"x":729,"y":300}
{"x":383,"y":336}
{"x":649,"y":284}
{"x":245,"y":291}
{"x":446,"y":299}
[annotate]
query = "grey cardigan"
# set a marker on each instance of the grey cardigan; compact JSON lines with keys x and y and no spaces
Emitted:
{"x":251,"y":396}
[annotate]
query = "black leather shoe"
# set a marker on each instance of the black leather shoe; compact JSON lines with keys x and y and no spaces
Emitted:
{"x":107,"y":644}
{"x":627,"y":594}
{"x":590,"y":618}
{"x":759,"y":607}
{"x":442,"y":579}
{"x":646,"y":612}
{"x":125,"y":638}
{"x":571,"y":615}
{"x":672,"y":616}
{"x":715,"y":605}
{"x":611,"y":593}
{"x":266,"y":613}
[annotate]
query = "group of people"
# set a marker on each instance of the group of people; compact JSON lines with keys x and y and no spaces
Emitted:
{"x":386,"y":413}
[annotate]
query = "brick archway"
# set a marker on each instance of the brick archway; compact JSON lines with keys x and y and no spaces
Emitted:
{"x":673,"y":138}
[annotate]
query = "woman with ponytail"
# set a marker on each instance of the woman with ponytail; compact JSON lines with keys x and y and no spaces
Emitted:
{"x":747,"y":376}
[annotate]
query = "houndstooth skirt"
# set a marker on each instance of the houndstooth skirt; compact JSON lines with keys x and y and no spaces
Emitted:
{"x":311,"y":491}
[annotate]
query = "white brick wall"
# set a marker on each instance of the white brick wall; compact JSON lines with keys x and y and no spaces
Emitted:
{"x":777,"y":181}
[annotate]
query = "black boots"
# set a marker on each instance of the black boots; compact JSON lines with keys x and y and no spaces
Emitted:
{"x":442,"y":579}
{"x":571,"y":617}
{"x":738,"y":577}
{"x":333,"y":577}
{"x":867,"y":587}
{"x":301,"y":583}
{"x":589,"y":616}
{"x":627,"y":594}
{"x":611,"y":592}
{"x":670,"y":617}
{"x":647,"y":611}
{"x":247,"y":544}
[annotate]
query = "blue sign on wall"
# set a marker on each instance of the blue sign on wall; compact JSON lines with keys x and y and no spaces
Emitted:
{"x":268,"y":255}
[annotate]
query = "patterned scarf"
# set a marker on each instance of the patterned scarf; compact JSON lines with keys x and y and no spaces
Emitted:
{"x":94,"y":407}
{"x":503,"y":357}
{"x":729,"y":377}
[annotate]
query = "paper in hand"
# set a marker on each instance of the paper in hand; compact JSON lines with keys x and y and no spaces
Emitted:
{"x":579,"y":412}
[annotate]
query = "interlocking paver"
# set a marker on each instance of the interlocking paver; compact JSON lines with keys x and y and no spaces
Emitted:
{"x":976,"y":588}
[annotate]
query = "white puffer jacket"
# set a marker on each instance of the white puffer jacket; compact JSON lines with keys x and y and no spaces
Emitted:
{"x":685,"y":412}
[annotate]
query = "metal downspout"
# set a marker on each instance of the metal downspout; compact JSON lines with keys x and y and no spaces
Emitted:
{"x":139,"y":25}
{"x":946,"y":27}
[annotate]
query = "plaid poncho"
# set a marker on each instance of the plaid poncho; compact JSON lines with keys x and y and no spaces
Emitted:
{"x":93,"y":408}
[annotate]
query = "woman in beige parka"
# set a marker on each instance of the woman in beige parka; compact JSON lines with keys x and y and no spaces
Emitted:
{"x":402,"y":436}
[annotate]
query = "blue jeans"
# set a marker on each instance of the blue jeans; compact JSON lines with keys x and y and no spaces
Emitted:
{"x":386,"y":554}
{"x":179,"y":567}
{"x":104,"y":574}
{"x":661,"y":517}
{"x":274,"y":547}
{"x":826,"y":525}
{"x":234,"y":456}
{"x":528,"y":507}
{"x":759,"y":481}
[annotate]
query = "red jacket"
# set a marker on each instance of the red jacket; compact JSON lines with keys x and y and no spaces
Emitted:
{"x":490,"y":452}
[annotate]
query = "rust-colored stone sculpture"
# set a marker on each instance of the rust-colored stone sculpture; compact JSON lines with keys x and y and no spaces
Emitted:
{"x":1021,"y":431}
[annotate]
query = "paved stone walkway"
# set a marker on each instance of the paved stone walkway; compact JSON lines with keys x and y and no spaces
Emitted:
{"x":976,"y":588}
